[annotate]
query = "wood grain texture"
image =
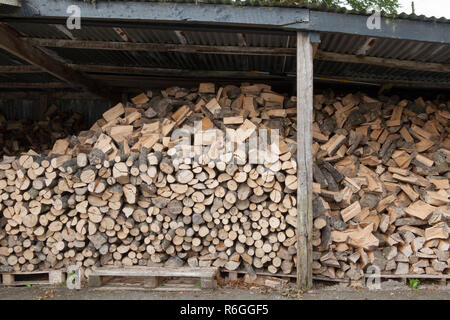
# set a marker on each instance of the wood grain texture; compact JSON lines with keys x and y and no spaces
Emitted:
{"x":304,"y":160}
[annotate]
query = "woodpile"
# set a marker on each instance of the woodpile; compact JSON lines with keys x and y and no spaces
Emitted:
{"x":131,"y":191}
{"x":123,"y":194}
{"x":381,"y":177}
{"x":22,"y":135}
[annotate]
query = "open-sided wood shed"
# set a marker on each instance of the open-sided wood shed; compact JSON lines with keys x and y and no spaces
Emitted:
{"x":124,"y":45}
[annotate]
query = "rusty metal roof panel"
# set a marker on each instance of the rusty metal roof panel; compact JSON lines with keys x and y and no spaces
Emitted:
{"x":330,"y":42}
{"x":41,"y":31}
{"x":270,"y":40}
{"x":171,"y":60}
{"x":407,"y":50}
{"x":211,"y":38}
{"x":369,"y":72}
{"x":341,"y":43}
{"x":96,"y":34}
{"x":111,"y":57}
{"x":151,"y":35}
{"x":386,"y":48}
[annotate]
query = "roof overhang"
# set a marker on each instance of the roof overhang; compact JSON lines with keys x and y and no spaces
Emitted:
{"x":231,"y":17}
{"x":130,"y":44}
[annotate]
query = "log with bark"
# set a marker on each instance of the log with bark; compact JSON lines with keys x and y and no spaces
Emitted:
{"x":17,"y":136}
{"x":135,"y":190}
{"x":382,"y":192}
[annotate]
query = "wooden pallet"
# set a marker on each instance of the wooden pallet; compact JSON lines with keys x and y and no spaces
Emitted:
{"x":153,"y":278}
{"x":41,"y":278}
{"x":326,"y":279}
{"x":233,"y":275}
{"x":441,"y":279}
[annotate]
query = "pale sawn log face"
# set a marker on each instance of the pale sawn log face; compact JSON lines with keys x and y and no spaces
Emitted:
{"x":111,"y":196}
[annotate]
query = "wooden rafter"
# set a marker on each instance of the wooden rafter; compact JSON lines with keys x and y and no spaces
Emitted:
{"x":205,"y":74}
{"x":383,"y":62}
{"x":54,"y":94}
{"x":268,"y":51}
{"x":398,"y":83}
{"x":20,"y":69}
{"x":35,"y":85}
{"x":26,"y":51}
{"x":143,"y":71}
{"x":159,"y":47}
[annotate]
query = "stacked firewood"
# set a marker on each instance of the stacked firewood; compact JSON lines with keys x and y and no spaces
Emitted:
{"x":129,"y":192}
{"x":381,"y":176}
{"x":17,"y":136}
{"x":137,"y":190}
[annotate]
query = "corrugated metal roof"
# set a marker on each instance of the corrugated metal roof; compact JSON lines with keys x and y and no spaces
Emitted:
{"x":363,"y":71}
{"x":276,"y":65}
{"x":386,"y":48}
{"x":332,"y":42}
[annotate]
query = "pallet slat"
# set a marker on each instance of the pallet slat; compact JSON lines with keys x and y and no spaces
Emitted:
{"x":155,"y":272}
{"x":154,"y":277}
{"x":14,"y":278}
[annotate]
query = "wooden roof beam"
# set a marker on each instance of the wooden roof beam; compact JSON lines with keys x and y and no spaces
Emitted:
{"x":36,"y":85}
{"x":159,"y":47}
{"x":267,"y":51}
{"x":26,"y":51}
{"x":383,"y":62}
{"x":155,"y":73}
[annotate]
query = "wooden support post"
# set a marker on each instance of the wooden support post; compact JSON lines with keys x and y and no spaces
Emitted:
{"x":304,"y":160}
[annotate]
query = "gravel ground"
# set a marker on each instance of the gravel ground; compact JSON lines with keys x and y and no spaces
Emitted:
{"x":389,"y":291}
